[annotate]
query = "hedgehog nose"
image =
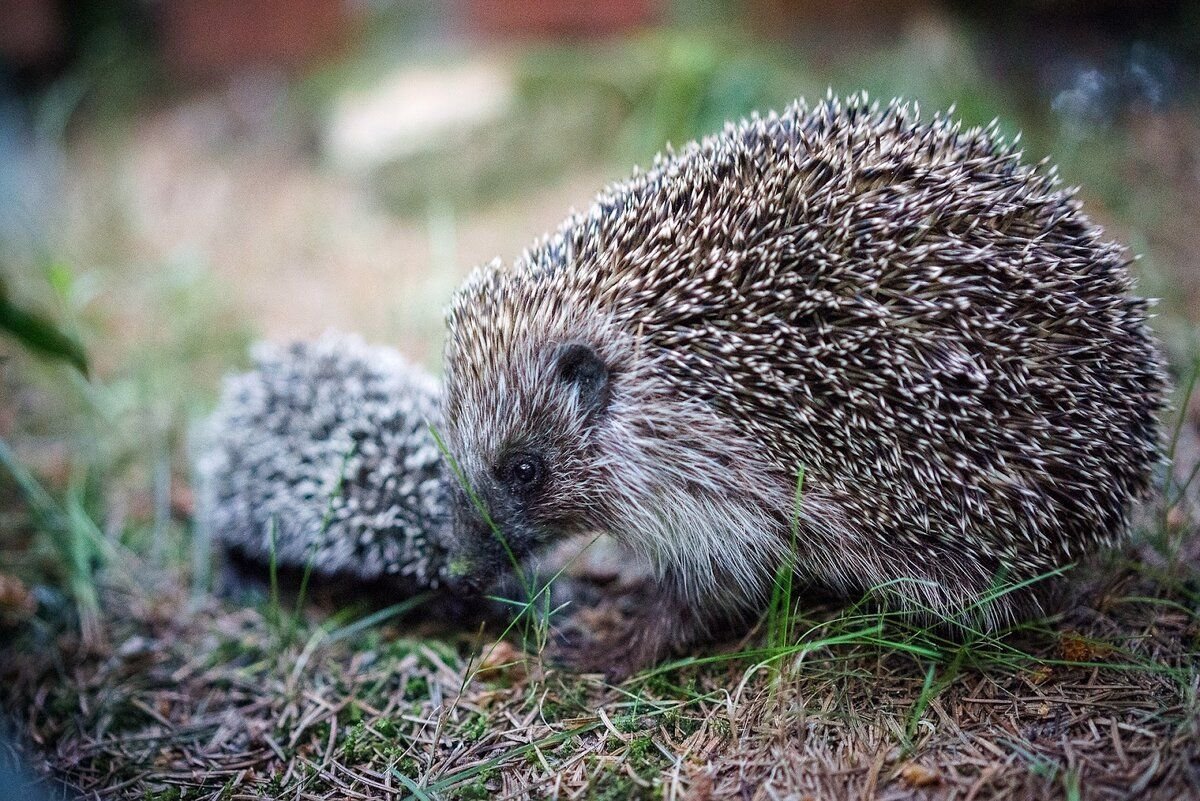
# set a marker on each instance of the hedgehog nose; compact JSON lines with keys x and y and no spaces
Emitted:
{"x":467,"y":584}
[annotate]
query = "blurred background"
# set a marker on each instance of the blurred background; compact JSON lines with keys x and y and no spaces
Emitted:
{"x":180,"y":177}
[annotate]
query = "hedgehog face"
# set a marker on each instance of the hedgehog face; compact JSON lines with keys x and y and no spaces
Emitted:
{"x":523,"y":453}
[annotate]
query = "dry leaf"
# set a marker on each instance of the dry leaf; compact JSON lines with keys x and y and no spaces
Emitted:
{"x":506,"y":659}
{"x":1075,"y":648}
{"x":919,"y":775}
{"x":16,"y":601}
{"x":1040,"y":675}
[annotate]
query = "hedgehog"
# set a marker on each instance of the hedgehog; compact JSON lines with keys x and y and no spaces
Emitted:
{"x":324,"y":455}
{"x":874,"y":347}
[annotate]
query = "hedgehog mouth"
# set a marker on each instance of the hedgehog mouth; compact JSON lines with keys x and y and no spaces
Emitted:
{"x":467,"y":585}
{"x":486,"y":563}
{"x":480,"y":575}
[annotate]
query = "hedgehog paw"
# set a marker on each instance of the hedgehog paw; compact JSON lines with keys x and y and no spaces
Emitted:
{"x":620,"y":634}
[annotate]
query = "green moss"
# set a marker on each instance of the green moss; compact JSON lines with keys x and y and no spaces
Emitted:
{"x":475,"y":727}
{"x":627,"y":724}
{"x":683,"y":725}
{"x":639,"y":748}
{"x":356,"y":746}
{"x":474,"y":790}
{"x":416,"y":688}
{"x":612,"y":783}
{"x":566,"y":700}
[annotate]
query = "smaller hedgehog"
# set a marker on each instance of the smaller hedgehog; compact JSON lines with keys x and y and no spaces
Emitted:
{"x":326,"y":448}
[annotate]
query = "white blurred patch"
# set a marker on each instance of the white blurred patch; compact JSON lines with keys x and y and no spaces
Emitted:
{"x":416,"y":109}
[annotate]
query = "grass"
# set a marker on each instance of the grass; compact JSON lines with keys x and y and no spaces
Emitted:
{"x":78,"y":546}
{"x":779,"y":618}
{"x":1095,"y":700}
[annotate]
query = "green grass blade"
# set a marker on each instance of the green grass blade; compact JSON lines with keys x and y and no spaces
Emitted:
{"x":40,"y":335}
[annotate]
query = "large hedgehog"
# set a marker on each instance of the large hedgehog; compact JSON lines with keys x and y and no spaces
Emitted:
{"x":882,"y":338}
{"x":322,"y":455}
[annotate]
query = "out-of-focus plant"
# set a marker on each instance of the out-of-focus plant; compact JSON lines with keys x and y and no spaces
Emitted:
{"x":78,"y":546}
{"x":677,"y":84}
{"x":97,"y":463}
{"x":76,"y":540}
{"x":666,"y":86}
{"x":39,"y":333}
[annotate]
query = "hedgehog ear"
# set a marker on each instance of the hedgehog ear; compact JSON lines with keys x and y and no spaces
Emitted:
{"x":580,"y":366}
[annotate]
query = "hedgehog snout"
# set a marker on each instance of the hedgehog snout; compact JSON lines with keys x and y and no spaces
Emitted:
{"x":465,"y":571}
{"x":480,"y":554}
{"x":462,"y":580}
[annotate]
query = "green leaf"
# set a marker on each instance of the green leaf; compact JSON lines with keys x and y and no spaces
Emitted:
{"x":39,"y":334}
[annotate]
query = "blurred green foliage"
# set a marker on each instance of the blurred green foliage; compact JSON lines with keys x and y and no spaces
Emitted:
{"x":98,"y":459}
{"x":39,"y":333}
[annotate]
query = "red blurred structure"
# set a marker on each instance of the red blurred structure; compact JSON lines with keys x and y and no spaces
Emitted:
{"x":31,"y":32}
{"x":214,"y":38}
{"x":557,"y":18}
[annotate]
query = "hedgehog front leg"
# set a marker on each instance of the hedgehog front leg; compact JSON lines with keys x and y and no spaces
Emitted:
{"x":616,"y":615}
{"x":625,"y":631}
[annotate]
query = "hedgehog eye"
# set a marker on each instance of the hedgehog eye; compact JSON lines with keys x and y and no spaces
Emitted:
{"x":524,"y":471}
